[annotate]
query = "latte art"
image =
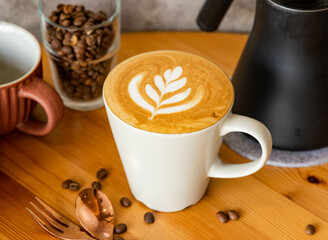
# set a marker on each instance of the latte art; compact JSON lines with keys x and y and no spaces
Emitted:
{"x":168,"y":92}
{"x":172,"y":83}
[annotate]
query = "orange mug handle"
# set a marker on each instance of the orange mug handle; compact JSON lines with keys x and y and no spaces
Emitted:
{"x":41,"y":92}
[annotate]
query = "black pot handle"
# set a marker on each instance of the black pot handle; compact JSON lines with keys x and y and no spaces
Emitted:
{"x":212,"y":13}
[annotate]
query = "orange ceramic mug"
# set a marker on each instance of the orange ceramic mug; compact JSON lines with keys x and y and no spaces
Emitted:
{"x":21,"y":84}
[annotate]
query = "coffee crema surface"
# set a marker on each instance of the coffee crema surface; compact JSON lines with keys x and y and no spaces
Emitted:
{"x":168,"y":92}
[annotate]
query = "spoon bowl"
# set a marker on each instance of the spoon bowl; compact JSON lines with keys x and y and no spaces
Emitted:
{"x":95,"y":213}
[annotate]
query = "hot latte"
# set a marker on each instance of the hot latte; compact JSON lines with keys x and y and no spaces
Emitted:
{"x":168,"y":92}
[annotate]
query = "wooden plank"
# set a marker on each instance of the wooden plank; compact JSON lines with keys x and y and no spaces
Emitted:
{"x":15,"y":221}
{"x":305,"y":186}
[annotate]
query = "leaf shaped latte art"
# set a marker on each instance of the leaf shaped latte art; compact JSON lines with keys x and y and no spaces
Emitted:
{"x":172,"y":83}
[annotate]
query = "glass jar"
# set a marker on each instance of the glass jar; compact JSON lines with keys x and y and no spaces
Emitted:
{"x":82,"y":39}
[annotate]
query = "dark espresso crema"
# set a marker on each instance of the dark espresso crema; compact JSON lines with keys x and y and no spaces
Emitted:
{"x":168,"y":92}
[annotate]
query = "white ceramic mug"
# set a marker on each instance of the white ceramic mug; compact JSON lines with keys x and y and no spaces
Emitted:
{"x":169,"y":172}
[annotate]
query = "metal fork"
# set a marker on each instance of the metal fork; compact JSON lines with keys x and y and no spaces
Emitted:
{"x":57,"y":225}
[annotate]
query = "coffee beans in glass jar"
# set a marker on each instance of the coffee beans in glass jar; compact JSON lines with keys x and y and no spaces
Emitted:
{"x":82,"y":44}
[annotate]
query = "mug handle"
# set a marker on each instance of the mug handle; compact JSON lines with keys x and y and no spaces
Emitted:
{"x":238,"y":123}
{"x":41,"y":92}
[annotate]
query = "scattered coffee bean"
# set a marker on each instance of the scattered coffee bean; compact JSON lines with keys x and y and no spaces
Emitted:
{"x":66,"y":183}
{"x":74,"y":186}
{"x":149,"y":217}
{"x":120,"y":228}
{"x":233,"y":215}
{"x":313,"y":179}
{"x":125,"y":202}
{"x":80,"y":44}
{"x":222,"y":217}
{"x":102,"y":173}
{"x":309,"y":229}
{"x":96,"y":185}
{"x":118,"y":238}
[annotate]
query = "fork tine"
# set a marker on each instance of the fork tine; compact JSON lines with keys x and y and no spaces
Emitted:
{"x":56,"y":224}
{"x":49,"y":219}
{"x":44,"y":225}
{"x":56,"y":215}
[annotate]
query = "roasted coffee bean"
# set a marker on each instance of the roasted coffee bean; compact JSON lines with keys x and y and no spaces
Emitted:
{"x":99,"y":39}
{"x":102,"y":173}
{"x":100,"y":79}
{"x":79,"y":50}
{"x":88,"y":24}
{"x":90,"y":14}
{"x":83,"y":63}
{"x":77,"y":14}
{"x":68,"y":8}
{"x":94,"y":76}
{"x":66,"y":50}
{"x":75,"y":65}
{"x":100,"y":16}
{"x":74,"y":82}
{"x":149,"y":217}
{"x":60,"y":53}
{"x":89,"y":55}
{"x":80,"y":56}
{"x":83,"y":76}
{"x":88,"y":82}
{"x":118,"y":238}
{"x":96,"y":185}
{"x":66,"y":23}
{"x":60,"y":7}
{"x":59,"y":35}
{"x":86,"y":96}
{"x":63,"y":16}
{"x":68,"y":35}
{"x":78,"y":95}
{"x":79,"y":8}
{"x":90,"y":40}
{"x":309,"y":229}
{"x":107,"y":42}
{"x":66,"y":42}
{"x":233,"y":215}
{"x":79,"y":21}
{"x":99,"y":32}
{"x":81,"y":44}
{"x":82,"y":89}
{"x":56,"y":45}
{"x":74,"y":40}
{"x":74,"y":186}
{"x":66,"y":183}
{"x":120,"y":228}
{"x":222,"y":217}
{"x":125,"y":202}
{"x":54,"y":18}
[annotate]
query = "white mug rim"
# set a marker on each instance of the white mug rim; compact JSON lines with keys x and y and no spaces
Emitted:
{"x":38,"y":52}
{"x":173,"y":134}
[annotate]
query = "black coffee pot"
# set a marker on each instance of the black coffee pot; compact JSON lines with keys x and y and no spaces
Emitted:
{"x":282,"y":75}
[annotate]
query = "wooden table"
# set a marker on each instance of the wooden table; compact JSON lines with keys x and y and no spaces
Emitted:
{"x":275,"y":203}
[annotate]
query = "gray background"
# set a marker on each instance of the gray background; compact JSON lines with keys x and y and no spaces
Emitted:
{"x":142,"y":15}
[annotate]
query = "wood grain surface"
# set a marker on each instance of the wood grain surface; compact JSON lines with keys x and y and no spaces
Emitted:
{"x":274,"y":203}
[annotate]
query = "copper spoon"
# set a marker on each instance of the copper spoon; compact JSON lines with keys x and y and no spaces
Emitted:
{"x":95,"y":213}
